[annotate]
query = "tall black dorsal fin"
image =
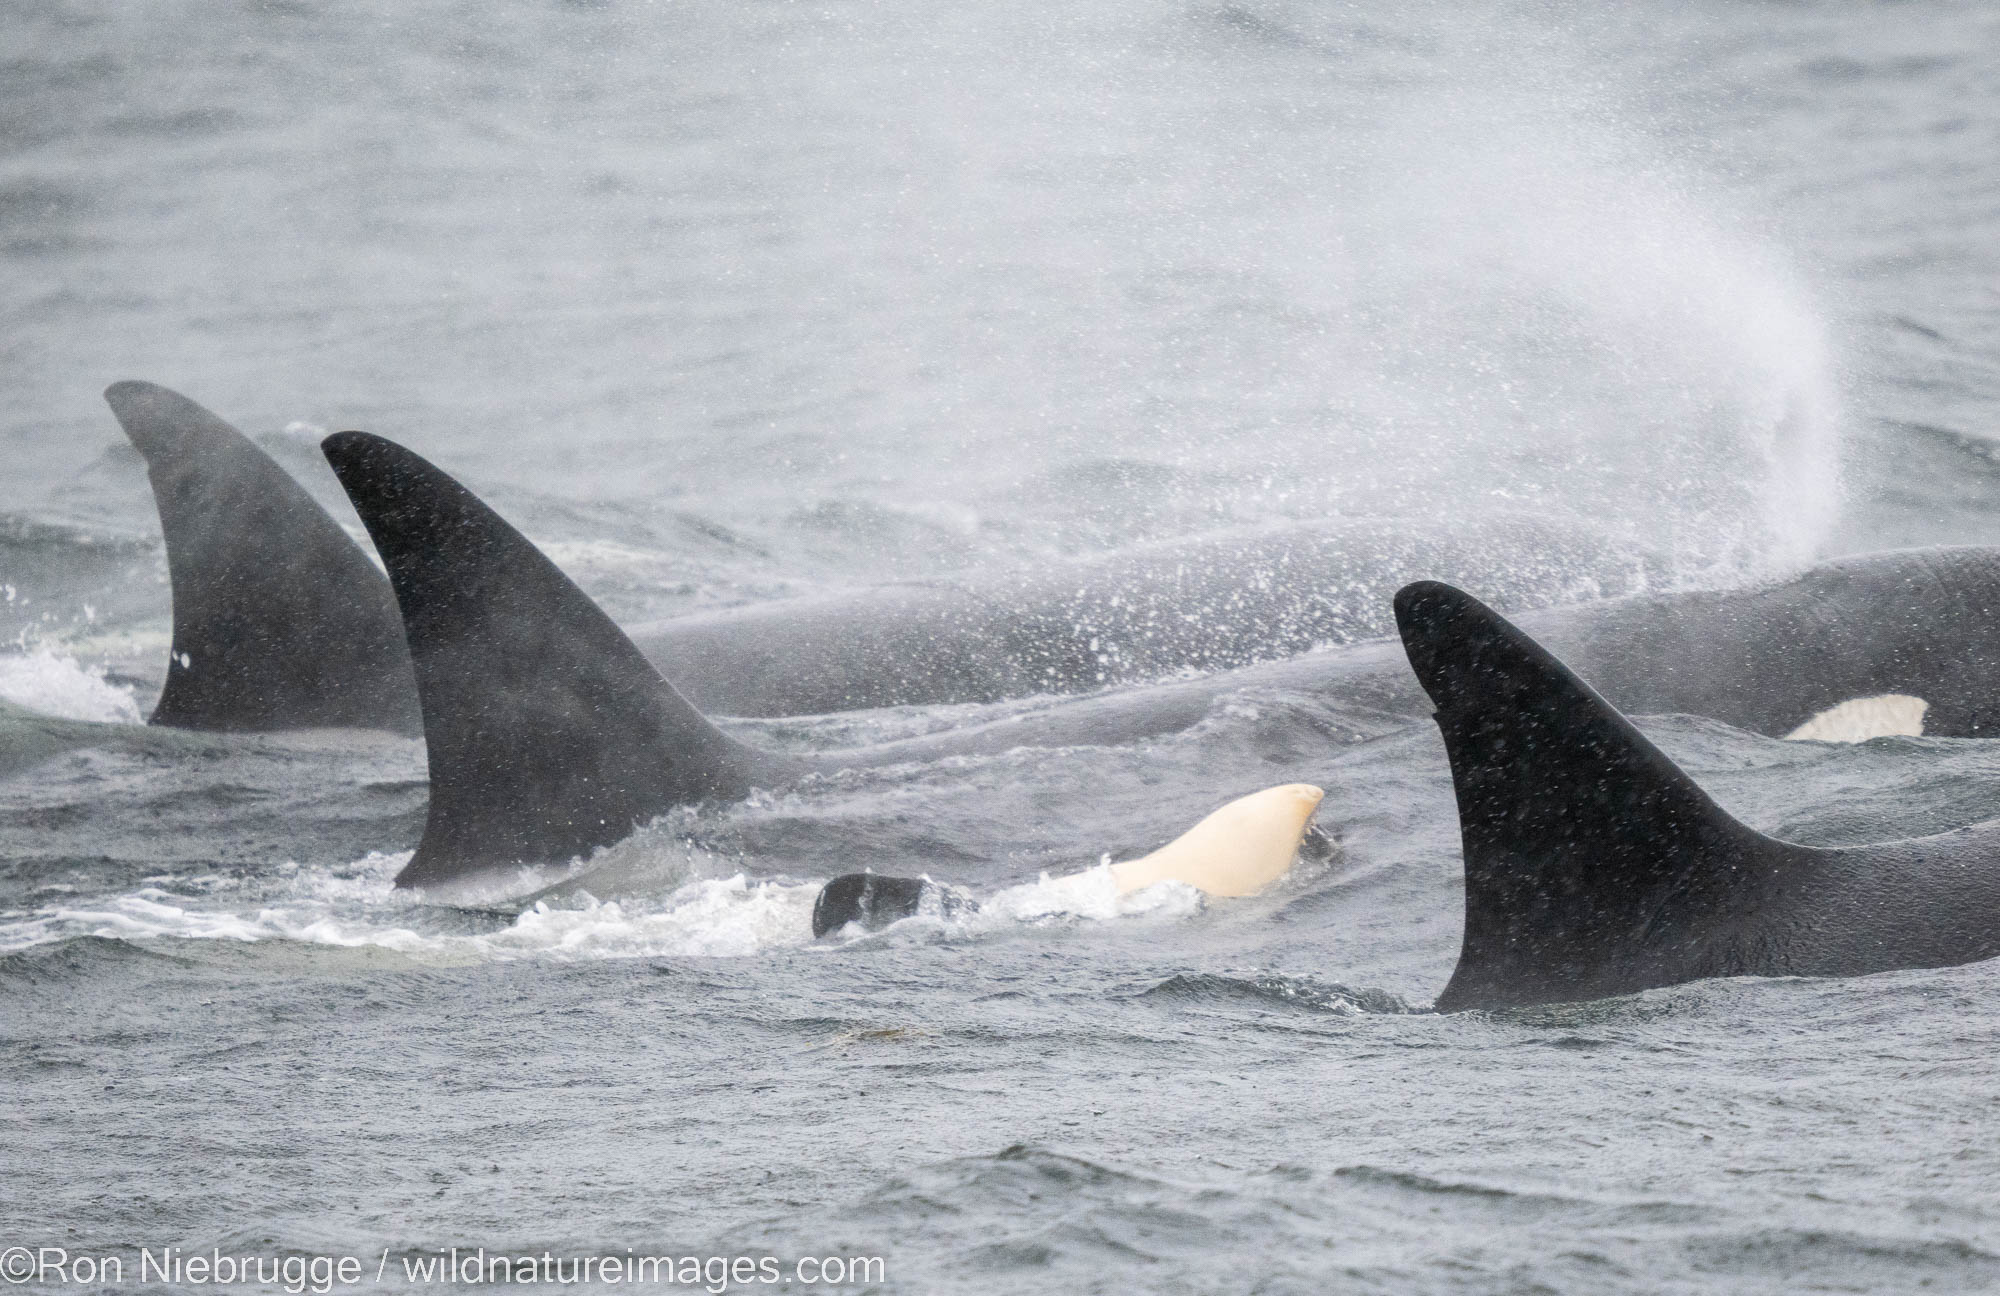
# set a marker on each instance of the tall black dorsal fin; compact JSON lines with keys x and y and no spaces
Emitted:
{"x":280,"y":620}
{"x":549,"y":733}
{"x":1593,"y":865}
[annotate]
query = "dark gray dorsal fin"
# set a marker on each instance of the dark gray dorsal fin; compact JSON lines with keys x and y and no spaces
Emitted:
{"x":1593,"y":864}
{"x":280,"y":620}
{"x":549,"y":733}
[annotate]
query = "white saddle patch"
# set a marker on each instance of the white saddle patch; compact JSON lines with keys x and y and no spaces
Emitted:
{"x":1859,"y":719}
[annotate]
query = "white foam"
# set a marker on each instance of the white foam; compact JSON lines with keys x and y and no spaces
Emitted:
{"x":359,"y":906}
{"x":1092,"y":894}
{"x":59,"y":686}
{"x":712,"y":917}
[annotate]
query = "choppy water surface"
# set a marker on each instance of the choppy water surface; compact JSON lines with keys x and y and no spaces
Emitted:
{"x":726,"y":303}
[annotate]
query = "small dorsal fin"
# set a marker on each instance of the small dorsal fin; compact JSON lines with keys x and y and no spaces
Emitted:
{"x":1593,"y":864}
{"x":280,"y":620}
{"x":1236,"y":850}
{"x":549,"y":733}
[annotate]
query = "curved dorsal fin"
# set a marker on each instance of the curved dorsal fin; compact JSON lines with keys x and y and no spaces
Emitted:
{"x":1593,"y":865}
{"x":280,"y":621}
{"x":549,"y":733}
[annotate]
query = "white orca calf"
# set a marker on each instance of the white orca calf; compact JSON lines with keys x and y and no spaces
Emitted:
{"x":1237,"y":850}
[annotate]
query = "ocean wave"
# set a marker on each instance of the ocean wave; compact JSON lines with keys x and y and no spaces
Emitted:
{"x":1273,"y":991}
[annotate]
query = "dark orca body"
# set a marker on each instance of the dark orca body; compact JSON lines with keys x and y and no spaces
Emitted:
{"x":1767,"y":659}
{"x":1213,"y":604}
{"x":280,"y":621}
{"x":285,"y":620}
{"x":550,"y":734}
{"x":1594,"y":866}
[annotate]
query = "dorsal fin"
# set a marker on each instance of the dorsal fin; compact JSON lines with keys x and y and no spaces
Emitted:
{"x":280,"y":620}
{"x":1593,"y":865}
{"x":1236,"y":850}
{"x":549,"y":733}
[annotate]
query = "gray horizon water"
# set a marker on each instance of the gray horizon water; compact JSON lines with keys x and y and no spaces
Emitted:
{"x":724,"y":304}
